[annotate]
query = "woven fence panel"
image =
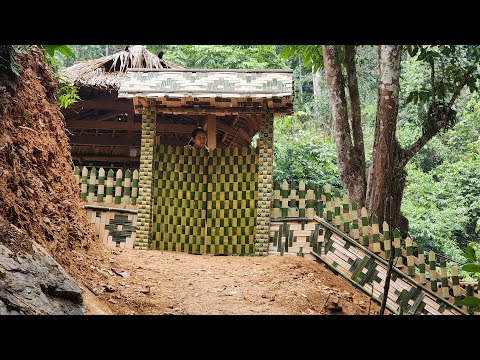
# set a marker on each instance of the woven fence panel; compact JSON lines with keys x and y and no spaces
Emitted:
{"x":232,"y":201}
{"x":179,"y":199}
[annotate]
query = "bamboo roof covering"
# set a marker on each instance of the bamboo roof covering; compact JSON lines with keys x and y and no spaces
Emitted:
{"x":221,"y":88}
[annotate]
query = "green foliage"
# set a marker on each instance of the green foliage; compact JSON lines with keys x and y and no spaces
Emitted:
{"x":222,"y":56}
{"x":472,"y":267}
{"x":302,"y":154}
{"x":8,"y":58}
{"x":62,"y":49}
{"x":449,"y":68}
{"x":441,"y":197}
{"x":311,"y":55}
{"x":66,"y":94}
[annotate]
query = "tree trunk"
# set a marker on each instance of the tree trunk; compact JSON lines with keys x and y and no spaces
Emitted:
{"x":348,"y":165}
{"x":386,"y":180}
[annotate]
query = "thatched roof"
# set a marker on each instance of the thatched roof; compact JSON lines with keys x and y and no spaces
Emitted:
{"x":107,"y":72}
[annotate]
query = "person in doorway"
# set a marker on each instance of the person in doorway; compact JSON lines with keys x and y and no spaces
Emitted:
{"x":198,"y":139}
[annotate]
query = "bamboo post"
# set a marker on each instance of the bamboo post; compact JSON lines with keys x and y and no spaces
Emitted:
{"x":457,"y":291}
{"x":135,"y":187}
{"x":76,"y":173}
{"x":101,"y":185}
{"x":398,"y":251}
{"x":118,"y":187}
{"x":301,"y":199}
{"x":127,"y":187}
{"x":387,"y":242}
{"x":346,"y":214}
{"x":310,"y":200}
{"x":292,"y":200}
{"x":421,"y":264}
{"x":275,"y":238}
{"x":365,"y":232}
{"x":277,"y":206}
{"x":109,"y":190}
{"x":375,"y":235}
{"x":470,"y":292}
{"x":432,"y":271}
{"x":328,"y":204}
{"x":337,"y":221}
{"x":91,"y":185}
{"x":84,"y":184}
{"x":410,"y":260}
{"x":319,"y":206}
{"x":356,"y":232}
{"x":443,"y":274}
{"x":284,"y":197}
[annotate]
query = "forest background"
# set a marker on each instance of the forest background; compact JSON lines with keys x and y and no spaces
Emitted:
{"x":442,"y":180}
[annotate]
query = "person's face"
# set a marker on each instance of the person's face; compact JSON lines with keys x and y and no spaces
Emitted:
{"x":200,"y":140}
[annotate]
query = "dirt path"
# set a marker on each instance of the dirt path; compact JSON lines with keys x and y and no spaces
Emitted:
{"x":156,"y":282}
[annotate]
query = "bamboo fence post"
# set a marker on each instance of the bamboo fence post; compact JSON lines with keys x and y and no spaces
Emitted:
{"x":301,"y":199}
{"x":319,"y":206}
{"x":284,"y":195}
{"x":337,"y":221}
{"x":410,"y":260}
{"x":457,"y":291}
{"x":127,"y":187}
{"x":109,"y":190}
{"x":375,"y":235}
{"x":387,"y":242}
{"x":432,"y":271}
{"x":292,"y":200}
{"x":443,"y":274}
{"x":118,"y":187}
{"x":91,"y":186}
{"x":84,"y":183}
{"x":310,"y":200}
{"x":101,"y":185}
{"x":76,"y":174}
{"x":135,"y":187}
{"x":277,"y":206}
{"x":365,"y":231}
{"x":328,"y":205}
{"x":356,"y":232}
{"x":421,"y":265}
{"x":398,"y":251}
{"x":346,"y":214}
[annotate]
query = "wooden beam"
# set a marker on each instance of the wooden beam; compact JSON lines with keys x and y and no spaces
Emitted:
{"x":119,"y":140}
{"x":212,"y":131}
{"x":121,"y":125}
{"x":223,"y":111}
{"x":100,"y":104}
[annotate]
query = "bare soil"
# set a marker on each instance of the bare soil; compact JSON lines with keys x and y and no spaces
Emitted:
{"x":157,"y":282}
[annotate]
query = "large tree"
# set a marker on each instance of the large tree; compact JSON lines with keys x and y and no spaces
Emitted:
{"x":380,"y":187}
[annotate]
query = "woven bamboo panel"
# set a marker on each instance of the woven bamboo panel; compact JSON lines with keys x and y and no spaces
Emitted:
{"x":362,"y":268}
{"x":112,"y":228}
{"x":179,"y":199}
{"x":207,"y":83}
{"x":232,"y":201}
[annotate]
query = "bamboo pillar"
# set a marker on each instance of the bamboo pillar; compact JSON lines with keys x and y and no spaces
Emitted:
{"x":144,"y":221}
{"x":265,"y":182}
